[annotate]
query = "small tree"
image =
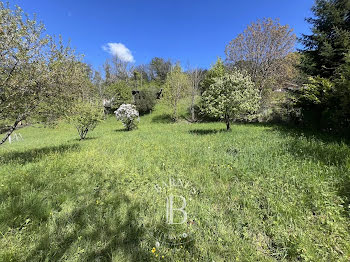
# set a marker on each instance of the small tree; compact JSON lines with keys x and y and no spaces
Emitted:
{"x":231,"y":97}
{"x":176,"y":87}
{"x":129,"y":116}
{"x":85,"y":116}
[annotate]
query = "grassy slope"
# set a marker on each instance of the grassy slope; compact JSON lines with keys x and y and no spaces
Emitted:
{"x":261,"y":193}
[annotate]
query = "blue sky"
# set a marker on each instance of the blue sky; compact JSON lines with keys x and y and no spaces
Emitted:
{"x":194,"y":32}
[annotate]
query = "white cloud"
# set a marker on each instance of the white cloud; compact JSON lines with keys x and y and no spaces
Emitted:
{"x":119,"y":50}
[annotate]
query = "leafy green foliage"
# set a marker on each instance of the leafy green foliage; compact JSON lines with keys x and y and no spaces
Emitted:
{"x":231,"y":97}
{"x":39,"y":78}
{"x":326,"y":59}
{"x":145,"y":100}
{"x":326,"y":47}
{"x":317,"y":92}
{"x":217,"y":70}
{"x":85,"y":116}
{"x":160,"y":68}
{"x":177,"y":86}
{"x":119,"y":93}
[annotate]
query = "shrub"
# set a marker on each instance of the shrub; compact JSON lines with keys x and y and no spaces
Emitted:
{"x":129,"y":116}
{"x":85,"y":116}
{"x":145,"y":100}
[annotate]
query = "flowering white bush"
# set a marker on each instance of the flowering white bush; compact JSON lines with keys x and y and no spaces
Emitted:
{"x":129,"y":116}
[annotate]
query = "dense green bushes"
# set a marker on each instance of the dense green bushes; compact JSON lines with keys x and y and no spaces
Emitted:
{"x":145,"y":100}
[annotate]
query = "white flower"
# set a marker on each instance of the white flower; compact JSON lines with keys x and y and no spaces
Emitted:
{"x":127,"y":113}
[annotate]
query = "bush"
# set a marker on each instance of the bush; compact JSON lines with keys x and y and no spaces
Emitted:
{"x":85,"y":116}
{"x":129,"y":116}
{"x":145,"y":100}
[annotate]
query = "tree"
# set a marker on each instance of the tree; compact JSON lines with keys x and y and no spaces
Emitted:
{"x":118,"y":93}
{"x":160,"y":68}
{"x":326,"y":48}
{"x":176,"y":87}
{"x":217,"y":70}
{"x":85,"y":116}
{"x":141,"y":75}
{"x":231,"y":97}
{"x":38,"y":78}
{"x":260,"y":50}
{"x":196,"y":76}
{"x":97,"y":81}
{"x":122,"y":69}
{"x":326,"y":58}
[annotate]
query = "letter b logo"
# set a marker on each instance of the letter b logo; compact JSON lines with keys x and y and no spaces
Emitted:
{"x":170,"y":210}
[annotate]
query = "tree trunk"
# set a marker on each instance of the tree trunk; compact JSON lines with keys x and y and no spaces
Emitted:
{"x":10,"y":131}
{"x":192,"y":108}
{"x":228,"y":125}
{"x":175,"y":112}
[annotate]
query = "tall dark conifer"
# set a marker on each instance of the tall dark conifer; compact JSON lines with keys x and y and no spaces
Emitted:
{"x":327,"y":46}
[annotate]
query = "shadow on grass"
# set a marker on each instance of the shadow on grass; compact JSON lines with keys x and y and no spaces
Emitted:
{"x":206,"y":131}
{"x":162,"y":119}
{"x":121,"y":130}
{"x":315,"y":145}
{"x":99,"y":231}
{"x":298,"y":131}
{"x":85,"y":139}
{"x":35,"y":154}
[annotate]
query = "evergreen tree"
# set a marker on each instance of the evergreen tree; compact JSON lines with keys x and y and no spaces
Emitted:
{"x":326,"y":47}
{"x":324,"y":99}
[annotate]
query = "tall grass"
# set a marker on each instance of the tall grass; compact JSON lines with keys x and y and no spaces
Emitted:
{"x":258,"y":193}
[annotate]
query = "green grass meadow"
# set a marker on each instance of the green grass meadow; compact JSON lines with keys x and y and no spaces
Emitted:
{"x":257,"y":193}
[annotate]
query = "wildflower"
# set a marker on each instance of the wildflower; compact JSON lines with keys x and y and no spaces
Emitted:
{"x":154,"y":250}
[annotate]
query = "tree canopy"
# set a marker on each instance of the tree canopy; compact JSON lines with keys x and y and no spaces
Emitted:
{"x":231,"y":97}
{"x":39,"y":78}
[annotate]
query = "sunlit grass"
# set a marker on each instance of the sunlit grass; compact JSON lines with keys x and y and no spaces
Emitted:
{"x":262,"y":193}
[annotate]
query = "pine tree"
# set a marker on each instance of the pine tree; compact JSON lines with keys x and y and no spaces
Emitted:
{"x":326,"y":48}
